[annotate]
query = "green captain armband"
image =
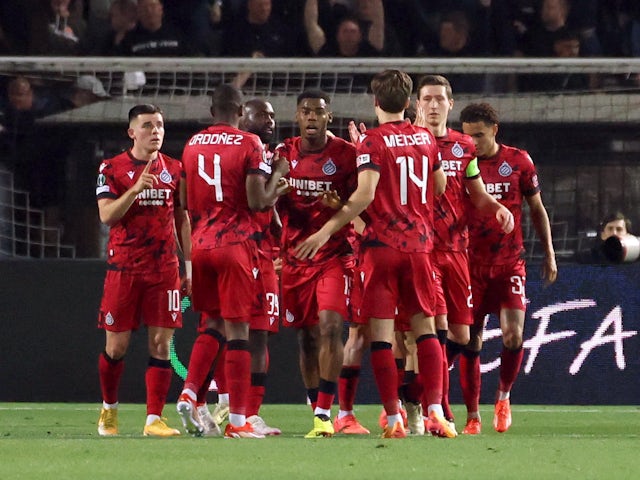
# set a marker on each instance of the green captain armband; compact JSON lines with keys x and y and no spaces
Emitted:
{"x":472,"y":169}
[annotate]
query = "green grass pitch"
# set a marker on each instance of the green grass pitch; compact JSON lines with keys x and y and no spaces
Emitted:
{"x":60,"y":441}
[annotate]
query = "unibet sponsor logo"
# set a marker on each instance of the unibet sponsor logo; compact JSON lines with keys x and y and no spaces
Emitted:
{"x":153,"y":196}
{"x":309,"y":188}
{"x":450,"y":167}
{"x":498,"y":189}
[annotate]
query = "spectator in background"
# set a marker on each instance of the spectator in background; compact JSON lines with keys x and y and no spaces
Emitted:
{"x":261,"y":32}
{"x":56,"y":27}
{"x":566,"y":44}
{"x":21,"y":147}
{"x":198,"y":20}
{"x":455,"y":39}
{"x":583,"y":19}
{"x":86,"y":90}
{"x":350,"y":38}
{"x":615,"y":223}
{"x":554,"y":15}
{"x":104,"y":39}
{"x":538,"y":40}
{"x":153,"y":36}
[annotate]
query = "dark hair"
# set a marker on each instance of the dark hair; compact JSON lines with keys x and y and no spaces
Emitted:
{"x":437,"y":80}
{"x":392,"y":89}
{"x":144,"y":109}
{"x":479,"y":112}
{"x":566,"y":33}
{"x":314,"y":93}
{"x":615,"y":216}
{"x":459,"y":19}
{"x":226,"y":99}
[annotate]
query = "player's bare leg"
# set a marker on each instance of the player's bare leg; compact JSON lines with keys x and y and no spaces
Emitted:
{"x":330,"y":356}
{"x":411,"y":388}
{"x":308,"y":348}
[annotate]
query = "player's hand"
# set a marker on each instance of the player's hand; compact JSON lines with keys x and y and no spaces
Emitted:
{"x":309,"y":247}
{"x":280,"y":165}
{"x":146,"y":179}
{"x":505,"y":219}
{"x":421,"y":119}
{"x":283,"y":187}
{"x":549,"y":270}
{"x":277,"y":265}
{"x":355,"y":132}
{"x":186,"y":286}
{"x":186,"y":282}
{"x":331,"y":199}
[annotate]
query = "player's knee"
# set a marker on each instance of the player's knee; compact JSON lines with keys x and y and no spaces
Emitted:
{"x":512,"y":340}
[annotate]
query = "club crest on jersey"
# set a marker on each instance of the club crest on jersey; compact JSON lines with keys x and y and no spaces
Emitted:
{"x":329,"y":168}
{"x":165,"y":176}
{"x":505,"y":169}
{"x":457,"y":150}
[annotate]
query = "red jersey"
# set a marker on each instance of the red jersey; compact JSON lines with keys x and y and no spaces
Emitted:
{"x":457,"y":151}
{"x":216,"y":164}
{"x":509,"y":176}
{"x":144,"y":238}
{"x":302,"y":211}
{"x":401,"y":214}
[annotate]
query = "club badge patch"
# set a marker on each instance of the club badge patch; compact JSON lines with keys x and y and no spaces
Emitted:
{"x":165,"y":176}
{"x":329,"y":168}
{"x":505,"y":169}
{"x":457,"y":150}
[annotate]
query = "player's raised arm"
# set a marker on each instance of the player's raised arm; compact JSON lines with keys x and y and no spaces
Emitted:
{"x":262,"y":193}
{"x":111,"y":210}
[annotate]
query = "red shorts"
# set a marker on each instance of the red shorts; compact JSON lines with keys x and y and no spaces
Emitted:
{"x":129,"y":298}
{"x":453,"y":286}
{"x":396,"y":279}
{"x":307,"y":290}
{"x":267,"y":317}
{"x":225,"y":281}
{"x":496,"y":287}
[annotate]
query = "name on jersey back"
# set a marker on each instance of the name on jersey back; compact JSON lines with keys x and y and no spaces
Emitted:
{"x":222,"y":138}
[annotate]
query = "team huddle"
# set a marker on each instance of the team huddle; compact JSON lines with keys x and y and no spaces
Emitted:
{"x":410,"y":232}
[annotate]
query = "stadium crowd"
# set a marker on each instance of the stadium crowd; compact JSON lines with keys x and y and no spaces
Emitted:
{"x":290,"y":28}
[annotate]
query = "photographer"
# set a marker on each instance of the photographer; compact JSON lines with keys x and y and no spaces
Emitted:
{"x":613,"y":224}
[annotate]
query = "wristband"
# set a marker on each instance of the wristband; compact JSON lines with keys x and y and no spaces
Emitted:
{"x":188,"y":269}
